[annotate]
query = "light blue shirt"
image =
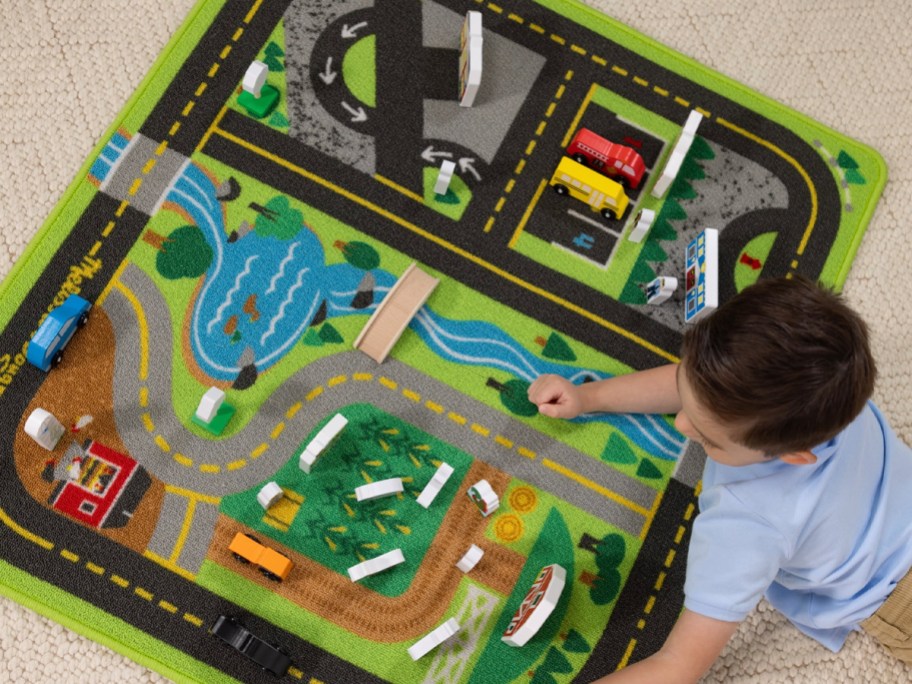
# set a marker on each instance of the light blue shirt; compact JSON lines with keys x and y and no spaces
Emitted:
{"x":825,"y":542}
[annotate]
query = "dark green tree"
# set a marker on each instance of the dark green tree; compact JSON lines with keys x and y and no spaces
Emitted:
{"x":555,"y":663}
{"x":185,"y":254}
{"x":277,"y":219}
{"x":514,"y":394}
{"x":609,"y":554}
{"x":617,"y":450}
{"x":556,"y":347}
{"x":274,"y":56}
{"x":575,"y":643}
{"x":359,"y":254}
{"x":648,"y":470}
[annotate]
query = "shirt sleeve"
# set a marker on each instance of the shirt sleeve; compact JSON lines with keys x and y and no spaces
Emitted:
{"x":734,"y":555}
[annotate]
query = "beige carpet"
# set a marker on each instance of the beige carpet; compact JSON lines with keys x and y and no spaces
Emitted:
{"x":69,"y":65}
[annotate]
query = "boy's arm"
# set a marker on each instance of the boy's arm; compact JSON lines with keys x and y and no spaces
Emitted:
{"x":649,"y":391}
{"x":692,"y":647}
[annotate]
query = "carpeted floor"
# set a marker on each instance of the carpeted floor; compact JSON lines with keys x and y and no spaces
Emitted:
{"x":69,"y":66}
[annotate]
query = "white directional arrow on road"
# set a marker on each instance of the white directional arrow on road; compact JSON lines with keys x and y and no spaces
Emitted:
{"x":351,"y":31}
{"x":328,"y":75}
{"x":465,"y":164}
{"x":357,"y":114}
{"x":430,"y":155}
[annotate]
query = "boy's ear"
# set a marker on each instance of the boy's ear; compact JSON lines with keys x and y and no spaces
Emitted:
{"x":799,"y":458}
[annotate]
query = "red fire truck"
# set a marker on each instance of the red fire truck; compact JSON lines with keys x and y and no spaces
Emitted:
{"x":611,"y":159}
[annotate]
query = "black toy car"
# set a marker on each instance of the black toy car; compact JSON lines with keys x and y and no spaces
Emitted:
{"x":269,"y":657}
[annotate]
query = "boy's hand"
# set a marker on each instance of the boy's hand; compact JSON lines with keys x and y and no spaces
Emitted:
{"x":556,"y":397}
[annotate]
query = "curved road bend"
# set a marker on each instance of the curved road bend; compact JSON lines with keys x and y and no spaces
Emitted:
{"x":236,"y":463}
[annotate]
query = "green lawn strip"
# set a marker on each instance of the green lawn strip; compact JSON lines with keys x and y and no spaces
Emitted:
{"x":758,"y":248}
{"x":359,"y":70}
{"x":100,"y":626}
{"x":454,"y":203}
{"x":565,"y":262}
{"x":336,"y":530}
{"x":865,"y":196}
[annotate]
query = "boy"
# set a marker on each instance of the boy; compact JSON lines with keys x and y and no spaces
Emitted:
{"x":806,"y":489}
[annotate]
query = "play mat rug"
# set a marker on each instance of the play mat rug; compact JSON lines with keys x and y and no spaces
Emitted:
{"x":241,"y":243}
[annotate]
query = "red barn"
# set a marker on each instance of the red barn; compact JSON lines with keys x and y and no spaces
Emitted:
{"x":106,"y":491}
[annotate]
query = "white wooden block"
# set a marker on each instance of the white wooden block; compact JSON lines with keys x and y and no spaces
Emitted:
{"x":678,"y":153}
{"x":374,"y":490}
{"x":307,"y":459}
{"x":331,"y":430}
{"x":444,"y":177}
{"x":433,"y":639}
{"x":642,"y":224}
{"x":693,"y":122}
{"x":269,"y":495}
{"x":471,"y":558}
{"x":374,"y":565}
{"x":321,"y":441}
{"x":432,"y":488}
{"x":210,"y":404}
{"x":255,"y":78}
{"x":44,"y":428}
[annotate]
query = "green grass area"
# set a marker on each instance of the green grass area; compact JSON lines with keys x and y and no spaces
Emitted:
{"x":453,"y":204}
{"x":759,"y":248}
{"x":359,"y":70}
{"x":336,"y":530}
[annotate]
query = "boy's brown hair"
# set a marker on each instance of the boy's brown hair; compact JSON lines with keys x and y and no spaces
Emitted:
{"x":785,"y":363}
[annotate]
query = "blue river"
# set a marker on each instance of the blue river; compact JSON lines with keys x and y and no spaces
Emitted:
{"x":260,"y":295}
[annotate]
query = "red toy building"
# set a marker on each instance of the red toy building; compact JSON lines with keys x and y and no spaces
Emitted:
{"x":107,"y":490}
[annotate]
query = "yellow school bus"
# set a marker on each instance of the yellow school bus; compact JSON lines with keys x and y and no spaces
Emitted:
{"x":600,"y":193}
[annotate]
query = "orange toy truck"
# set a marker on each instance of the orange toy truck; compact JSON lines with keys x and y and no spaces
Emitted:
{"x":272,"y":564}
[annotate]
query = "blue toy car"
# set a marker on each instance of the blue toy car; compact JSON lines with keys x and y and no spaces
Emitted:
{"x":45,"y":349}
